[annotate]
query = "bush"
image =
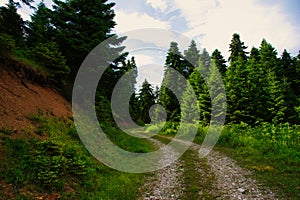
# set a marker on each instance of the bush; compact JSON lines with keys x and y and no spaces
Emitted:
{"x":53,"y":161}
{"x":49,"y":56}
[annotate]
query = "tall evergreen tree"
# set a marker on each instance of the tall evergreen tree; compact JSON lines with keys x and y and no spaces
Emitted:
{"x":171,"y":81}
{"x":205,"y":59}
{"x":219,"y":61}
{"x":189,"y":105}
{"x":237,"y":49}
{"x":289,"y":68}
{"x":11,"y":23}
{"x":135,"y":109}
{"x":146,"y":100}
{"x":40,"y":29}
{"x":192,"y":55}
{"x":123,"y":91}
{"x":80,"y":26}
{"x":254,"y":54}
{"x":235,"y":86}
{"x":276,"y":105}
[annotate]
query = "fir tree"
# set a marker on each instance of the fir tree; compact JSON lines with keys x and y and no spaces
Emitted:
{"x":192,"y":55}
{"x":219,"y":61}
{"x":146,"y":100}
{"x":40,"y":29}
{"x":237,"y":49}
{"x":173,"y":82}
{"x":11,"y":23}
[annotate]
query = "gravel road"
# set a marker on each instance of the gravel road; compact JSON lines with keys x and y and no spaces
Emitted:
{"x":232,"y":181}
{"x":167,"y":184}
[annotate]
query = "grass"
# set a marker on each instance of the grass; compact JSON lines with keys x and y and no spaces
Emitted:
{"x":7,"y":130}
{"x":19,"y":55}
{"x":60,"y":166}
{"x":271,"y":152}
{"x":198,"y":177}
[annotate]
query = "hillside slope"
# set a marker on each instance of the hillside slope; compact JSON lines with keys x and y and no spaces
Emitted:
{"x":20,"y":98}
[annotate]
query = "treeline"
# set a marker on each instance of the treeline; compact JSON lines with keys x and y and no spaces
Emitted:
{"x":57,"y":40}
{"x":260,"y":85}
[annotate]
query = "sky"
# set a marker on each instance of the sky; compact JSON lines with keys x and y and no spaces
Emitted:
{"x":211,"y":23}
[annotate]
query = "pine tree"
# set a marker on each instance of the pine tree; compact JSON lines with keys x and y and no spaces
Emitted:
{"x":196,"y":80}
{"x":172,"y":81}
{"x":146,"y":100}
{"x":192,"y":55}
{"x":235,"y":86}
{"x":219,"y":61}
{"x":48,"y":56}
{"x":237,"y":49}
{"x":123,"y":92}
{"x":40,"y":29}
{"x":205,"y":59}
{"x":254,"y":54}
{"x":276,"y":104}
{"x":189,"y":106}
{"x":167,"y":98}
{"x":289,"y":68}
{"x":135,"y":109}
{"x":268,"y":58}
{"x":80,"y":26}
{"x":11,"y":23}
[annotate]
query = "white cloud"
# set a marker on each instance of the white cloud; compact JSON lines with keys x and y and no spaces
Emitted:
{"x":153,"y":73}
{"x":161,"y":5}
{"x":149,"y":67}
{"x":252,"y":21}
{"x":194,"y":11}
{"x":143,"y":59}
{"x":132,"y":21}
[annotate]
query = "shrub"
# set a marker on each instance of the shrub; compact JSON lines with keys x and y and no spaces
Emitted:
{"x":53,"y":161}
{"x":49,"y":56}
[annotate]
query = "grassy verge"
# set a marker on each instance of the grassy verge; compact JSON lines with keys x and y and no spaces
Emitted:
{"x":60,"y":167}
{"x":271,"y":152}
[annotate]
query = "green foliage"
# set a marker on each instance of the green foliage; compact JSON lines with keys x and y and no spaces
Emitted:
{"x":237,"y":49}
{"x":11,"y":23}
{"x":15,"y":169}
{"x":7,"y":44}
{"x":80,"y":25}
{"x":52,"y":161}
{"x":271,"y":151}
{"x":48,"y":55}
{"x":51,"y":164}
{"x":189,"y":106}
{"x":192,"y":55}
{"x":146,"y":100}
{"x":39,"y":28}
{"x":219,"y":61}
{"x":7,"y":130}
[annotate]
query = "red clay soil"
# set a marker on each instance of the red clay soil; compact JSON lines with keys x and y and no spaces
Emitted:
{"x":20,"y":98}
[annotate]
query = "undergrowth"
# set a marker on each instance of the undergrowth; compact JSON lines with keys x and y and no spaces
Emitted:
{"x":60,"y":166}
{"x":271,"y":152}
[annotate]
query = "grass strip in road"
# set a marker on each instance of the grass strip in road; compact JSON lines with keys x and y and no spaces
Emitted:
{"x":198,"y":177}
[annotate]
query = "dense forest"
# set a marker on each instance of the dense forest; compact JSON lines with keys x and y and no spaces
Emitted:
{"x":262,"y":96}
{"x":261,"y":85}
